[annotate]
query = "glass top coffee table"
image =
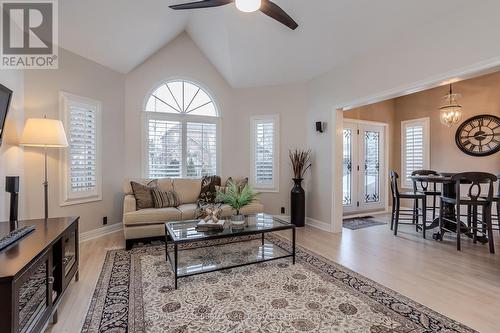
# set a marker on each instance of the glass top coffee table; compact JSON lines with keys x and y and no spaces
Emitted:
{"x":184,"y":232}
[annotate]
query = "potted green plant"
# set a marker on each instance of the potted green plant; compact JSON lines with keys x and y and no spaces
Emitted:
{"x":237,"y":198}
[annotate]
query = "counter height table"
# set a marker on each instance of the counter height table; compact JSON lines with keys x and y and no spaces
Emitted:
{"x":449,"y":211}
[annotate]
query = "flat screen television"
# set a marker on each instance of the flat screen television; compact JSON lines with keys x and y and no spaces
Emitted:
{"x":5,"y":97}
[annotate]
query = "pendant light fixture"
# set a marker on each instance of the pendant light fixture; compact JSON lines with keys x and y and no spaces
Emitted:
{"x":248,"y":6}
{"x":450,"y":112}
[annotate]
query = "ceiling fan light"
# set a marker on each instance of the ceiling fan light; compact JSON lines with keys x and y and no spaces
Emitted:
{"x":248,"y":6}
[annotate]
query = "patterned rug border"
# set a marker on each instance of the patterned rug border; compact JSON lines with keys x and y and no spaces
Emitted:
{"x":348,"y":279}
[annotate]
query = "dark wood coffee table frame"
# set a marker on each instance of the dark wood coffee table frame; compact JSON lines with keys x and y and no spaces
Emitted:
{"x":174,"y":263}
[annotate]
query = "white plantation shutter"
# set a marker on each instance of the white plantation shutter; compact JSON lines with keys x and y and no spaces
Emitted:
{"x":81,"y":169}
{"x":415,"y":148}
{"x":265,"y":152}
{"x":164,"y":148}
{"x":82,"y":149}
{"x":201,"y":149}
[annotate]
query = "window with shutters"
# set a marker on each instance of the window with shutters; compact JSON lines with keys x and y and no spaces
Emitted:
{"x":181,"y":132}
{"x":415,"y":148}
{"x":81,"y":161}
{"x":265,"y":153}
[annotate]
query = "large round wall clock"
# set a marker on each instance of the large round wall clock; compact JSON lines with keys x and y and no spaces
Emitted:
{"x":479,"y":135}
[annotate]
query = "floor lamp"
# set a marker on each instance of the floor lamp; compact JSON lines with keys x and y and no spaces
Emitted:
{"x":44,"y":133}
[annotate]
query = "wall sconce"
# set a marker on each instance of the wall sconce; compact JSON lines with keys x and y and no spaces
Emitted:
{"x":320,"y":127}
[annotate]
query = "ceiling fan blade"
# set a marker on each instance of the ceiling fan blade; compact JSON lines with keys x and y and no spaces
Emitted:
{"x":273,"y":10}
{"x":201,"y":4}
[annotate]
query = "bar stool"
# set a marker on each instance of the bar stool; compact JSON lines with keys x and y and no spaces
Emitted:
{"x":396,"y":206}
{"x":473,"y":200}
{"x":423,"y":186}
{"x":496,"y":200}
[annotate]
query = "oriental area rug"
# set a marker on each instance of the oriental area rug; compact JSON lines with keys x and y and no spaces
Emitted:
{"x":135,"y":293}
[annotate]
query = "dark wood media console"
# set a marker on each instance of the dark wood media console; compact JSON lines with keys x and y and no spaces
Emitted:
{"x":35,"y":272}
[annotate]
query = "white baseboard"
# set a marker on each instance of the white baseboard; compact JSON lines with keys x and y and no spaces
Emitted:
{"x":96,"y":233}
{"x":318,"y":224}
{"x":309,"y":221}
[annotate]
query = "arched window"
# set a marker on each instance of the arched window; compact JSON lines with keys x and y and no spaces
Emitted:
{"x":182,"y":129}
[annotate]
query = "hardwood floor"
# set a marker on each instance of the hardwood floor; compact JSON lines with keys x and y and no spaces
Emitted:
{"x":463,"y":285}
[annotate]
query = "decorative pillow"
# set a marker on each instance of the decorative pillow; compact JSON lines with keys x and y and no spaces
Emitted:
{"x":208,"y":192}
{"x":240,"y":182}
{"x":164,"y":199}
{"x":142,"y":193}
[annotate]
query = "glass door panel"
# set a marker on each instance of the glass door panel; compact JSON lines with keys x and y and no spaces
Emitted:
{"x":32,"y":295}
{"x":363,"y":167}
{"x":372,"y":167}
{"x":371,"y":159}
{"x":347,"y":168}
{"x":349,"y":184}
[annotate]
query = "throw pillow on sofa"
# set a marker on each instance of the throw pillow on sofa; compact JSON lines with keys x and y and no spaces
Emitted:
{"x":240,"y":182}
{"x":164,"y":199}
{"x":208,"y":190}
{"x":142,"y":193}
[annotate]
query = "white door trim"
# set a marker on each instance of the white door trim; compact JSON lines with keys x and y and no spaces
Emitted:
{"x":386,"y":158}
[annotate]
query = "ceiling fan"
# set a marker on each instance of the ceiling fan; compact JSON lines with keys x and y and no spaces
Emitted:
{"x":266,"y":6}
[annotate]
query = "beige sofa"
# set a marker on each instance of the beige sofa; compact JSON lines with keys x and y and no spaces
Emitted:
{"x":148,"y":223}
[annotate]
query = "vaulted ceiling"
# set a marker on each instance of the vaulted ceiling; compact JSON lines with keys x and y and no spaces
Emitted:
{"x":247,"y":49}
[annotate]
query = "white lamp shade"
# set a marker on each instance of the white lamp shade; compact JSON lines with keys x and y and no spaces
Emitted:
{"x":42,"y":132}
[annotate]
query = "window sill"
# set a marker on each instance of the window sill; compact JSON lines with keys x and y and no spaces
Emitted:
{"x":71,"y":202}
{"x":265,"y":190}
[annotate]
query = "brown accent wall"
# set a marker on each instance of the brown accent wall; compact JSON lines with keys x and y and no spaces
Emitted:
{"x":479,"y":96}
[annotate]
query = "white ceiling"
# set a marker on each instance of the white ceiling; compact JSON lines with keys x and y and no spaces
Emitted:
{"x":247,"y":49}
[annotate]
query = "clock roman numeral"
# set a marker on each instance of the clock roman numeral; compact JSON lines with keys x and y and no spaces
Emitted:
{"x":479,"y":136}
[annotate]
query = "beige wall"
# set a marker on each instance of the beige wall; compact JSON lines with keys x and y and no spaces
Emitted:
{"x":182,"y":59}
{"x":479,"y":96}
{"x":11,"y":155}
{"x":85,"y":78}
{"x":122,"y":98}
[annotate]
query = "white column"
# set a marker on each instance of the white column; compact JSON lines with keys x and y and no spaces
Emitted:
{"x":337,"y":119}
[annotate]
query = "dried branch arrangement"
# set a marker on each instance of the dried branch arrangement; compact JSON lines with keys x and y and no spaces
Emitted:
{"x":300,"y":162}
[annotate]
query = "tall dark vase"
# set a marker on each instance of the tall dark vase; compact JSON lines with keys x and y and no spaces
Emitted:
{"x":298,"y":204}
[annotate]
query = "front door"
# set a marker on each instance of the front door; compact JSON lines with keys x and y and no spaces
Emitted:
{"x":364,"y":167}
